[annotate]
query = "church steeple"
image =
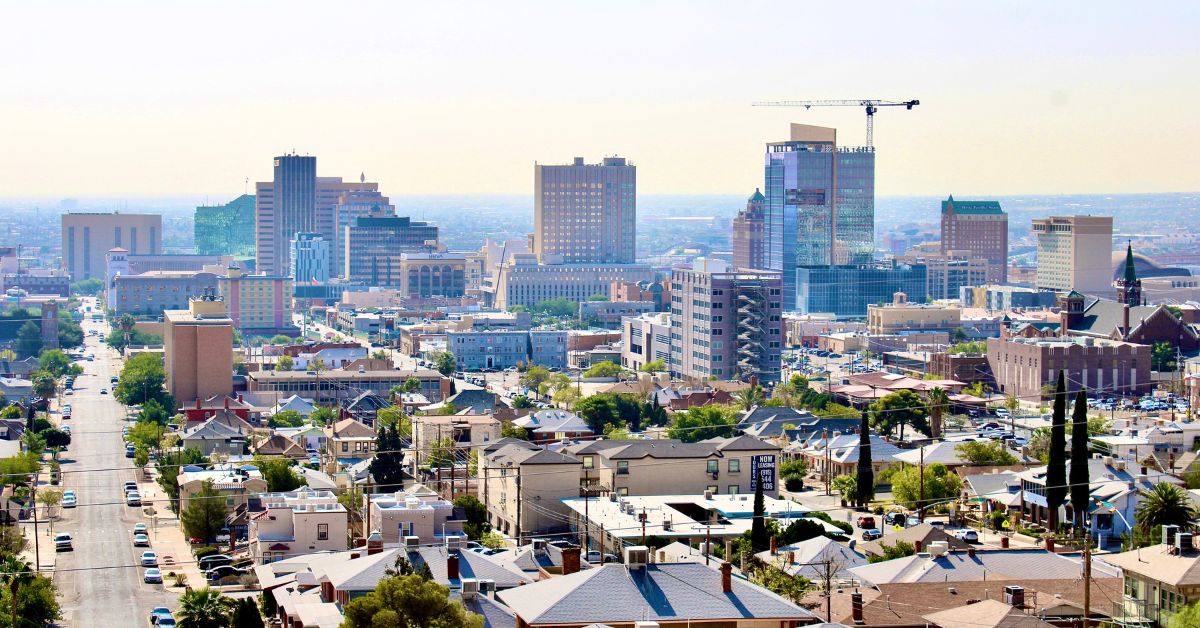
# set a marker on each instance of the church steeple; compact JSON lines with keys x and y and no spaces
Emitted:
{"x":1129,"y":287}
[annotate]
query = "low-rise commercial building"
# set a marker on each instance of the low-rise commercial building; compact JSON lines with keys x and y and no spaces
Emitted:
{"x":645,"y":338}
{"x":903,"y":316}
{"x":298,"y":522}
{"x":415,"y":511}
{"x":523,"y":281}
{"x":1023,"y":367}
{"x":235,"y":484}
{"x":477,"y":350}
{"x":325,"y":386}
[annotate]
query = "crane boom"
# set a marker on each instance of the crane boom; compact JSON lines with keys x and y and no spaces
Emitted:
{"x":868,"y":104}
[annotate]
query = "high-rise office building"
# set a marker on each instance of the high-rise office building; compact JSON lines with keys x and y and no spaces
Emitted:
{"x":748,"y":233}
{"x":726,"y":323}
{"x":1074,"y":253}
{"x":375,"y":247}
{"x":226,"y":229}
{"x":87,"y":238}
{"x":309,"y":253}
{"x":298,"y":201}
{"x":846,"y":290}
{"x":820,"y":204}
{"x":363,"y":201}
{"x":980,"y":227}
{"x":585,"y":213}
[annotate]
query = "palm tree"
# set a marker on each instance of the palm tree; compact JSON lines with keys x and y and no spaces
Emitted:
{"x":938,"y":402}
{"x":1165,"y":504}
{"x":126,"y":323}
{"x":15,"y":573}
{"x":204,"y":608}
{"x":750,"y":397}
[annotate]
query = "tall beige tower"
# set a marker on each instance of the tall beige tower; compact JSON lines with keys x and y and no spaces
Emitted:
{"x":1074,"y":253}
{"x":198,"y":350}
{"x":585,"y":213}
{"x":88,"y":237}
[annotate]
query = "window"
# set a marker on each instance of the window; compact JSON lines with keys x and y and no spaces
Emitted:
{"x":322,"y":531}
{"x":735,"y":465}
{"x":588,"y":463}
{"x":345,"y":447}
{"x":622,"y":490}
{"x":733,"y":489}
{"x":713,"y":488}
{"x":713,"y":466}
{"x":622,"y":467}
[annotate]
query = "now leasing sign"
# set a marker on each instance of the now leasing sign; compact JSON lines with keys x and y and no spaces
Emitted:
{"x":762,"y":469}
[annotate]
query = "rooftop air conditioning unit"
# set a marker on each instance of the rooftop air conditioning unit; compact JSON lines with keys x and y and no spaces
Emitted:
{"x":707,"y":495}
{"x":1120,"y":464}
{"x":487,"y":586}
{"x":1168,"y":534}
{"x":612,"y":497}
{"x":1108,"y":461}
{"x":1183,"y":542}
{"x":539,"y":545}
{"x":938,"y":548}
{"x":637,"y":556}
{"x":666,"y":525}
{"x":453,"y":543}
{"x":1014,"y":595}
{"x":411,"y":543}
{"x":470,"y":588}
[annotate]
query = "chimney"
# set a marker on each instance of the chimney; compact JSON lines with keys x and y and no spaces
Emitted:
{"x":971,"y":551}
{"x":856,"y":607}
{"x":452,"y":567}
{"x":198,"y":403}
{"x":1124,"y":319}
{"x":727,"y":577}
{"x":1049,"y":544}
{"x":774,"y":546}
{"x":241,"y":399}
{"x":570,"y":560}
{"x":918,"y":546}
{"x":226,"y":402}
{"x":1004,"y":542}
{"x":327,"y":591}
{"x":374,"y":543}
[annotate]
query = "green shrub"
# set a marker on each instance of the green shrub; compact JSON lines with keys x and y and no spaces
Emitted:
{"x":206,"y":550}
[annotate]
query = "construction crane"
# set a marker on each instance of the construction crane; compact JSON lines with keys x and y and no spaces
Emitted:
{"x":871,"y":106}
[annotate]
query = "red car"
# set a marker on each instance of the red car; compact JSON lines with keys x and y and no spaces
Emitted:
{"x":866,"y":523}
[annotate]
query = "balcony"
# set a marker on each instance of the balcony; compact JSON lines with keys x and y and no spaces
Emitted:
{"x":1134,"y":613}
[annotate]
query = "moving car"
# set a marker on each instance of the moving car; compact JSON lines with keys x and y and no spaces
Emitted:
{"x":967,"y":534}
{"x":103,"y":391}
{"x":141,"y":540}
{"x":149,"y":559}
{"x":62,"y":542}
{"x":153,"y":575}
{"x":130,"y":451}
{"x":894,"y":519}
{"x":872,"y":534}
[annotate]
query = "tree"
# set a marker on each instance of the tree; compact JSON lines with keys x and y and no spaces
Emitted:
{"x":1164,"y":504}
{"x":556,"y":307}
{"x":1056,"y":469}
{"x":31,"y":597}
{"x":1162,"y":357}
{"x":654,"y":366}
{"x":444,"y":362}
{"x":603,"y":369}
{"x":939,"y":401}
{"x":750,"y":397}
{"x":846,"y":486}
{"x":54,"y":361}
{"x":169,"y":467}
{"x":286,"y":418}
{"x":1080,"y":477}
{"x":509,"y":430}
{"x":892,"y":552}
{"x":899,"y":409}
{"x":87,"y":287}
{"x":49,"y":498}
{"x":411,"y":385}
{"x":56,"y":438}
{"x":394,"y":415}
{"x":565,"y":397}
{"x":141,"y":379}
{"x":441,"y":454}
{"x":476,"y":524}
{"x":534,"y":377}
{"x":387,"y":467}
{"x":29,"y":339}
{"x":245,"y":614}
{"x":1187,"y":617}
{"x":285,"y":362}
{"x":279,"y":474}
{"x":408,"y":601}
{"x":204,"y":608}
{"x":940,"y":484}
{"x":758,"y":527}
{"x":379,"y":354}
{"x":322,"y":415}
{"x":148,"y":435}
{"x":11,"y":412}
{"x":703,"y":422}
{"x":989,"y":452}
{"x":44,"y":384}
{"x":653,"y":414}
{"x":205,"y":513}
{"x":521,"y":402}
{"x":792,"y":473}
{"x":599,"y":411}
{"x":864,"y":490}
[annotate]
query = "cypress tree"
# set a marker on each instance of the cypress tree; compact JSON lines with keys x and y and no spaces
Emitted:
{"x":866,"y":473}
{"x":758,"y":527}
{"x":1056,"y":470}
{"x":1080,"y":479}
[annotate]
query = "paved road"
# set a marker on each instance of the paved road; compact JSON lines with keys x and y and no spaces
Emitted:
{"x":99,"y":582}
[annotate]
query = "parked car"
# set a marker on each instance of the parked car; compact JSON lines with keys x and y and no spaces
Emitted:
{"x":69,"y":499}
{"x":103,"y":391}
{"x":141,"y":540}
{"x":872,"y":534}
{"x":133,"y":498}
{"x":130,"y":485}
{"x":149,"y":559}
{"x":215,"y":574}
{"x":968,"y":535}
{"x":62,"y":542}
{"x":894,"y":518}
{"x":866,"y":522}
{"x":130,"y":451}
{"x":593,"y":556}
{"x":212,"y":561}
{"x":153,"y":575}
{"x":167,"y":622}
{"x":159,"y":613}
{"x":139,"y":528}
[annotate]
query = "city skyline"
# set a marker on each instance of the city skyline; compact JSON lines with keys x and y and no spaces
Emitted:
{"x":195,"y":118}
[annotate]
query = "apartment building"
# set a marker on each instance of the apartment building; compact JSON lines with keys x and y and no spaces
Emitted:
{"x":415,"y":511}
{"x":1074,"y":253}
{"x":726,"y":324}
{"x":198,"y":350}
{"x":514,"y":473}
{"x":980,"y":228}
{"x":87,"y":237}
{"x":485,"y":349}
{"x":645,"y":338}
{"x":303,"y":521}
{"x":258,"y":304}
{"x":585,"y":213}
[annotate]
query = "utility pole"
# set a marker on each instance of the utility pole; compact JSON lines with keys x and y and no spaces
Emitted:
{"x":367,"y":507}
{"x":587,"y":494}
{"x":921,"y":502}
{"x":1087,"y":580}
{"x":37,"y":550}
{"x":519,"y":506}
{"x":825,"y":437}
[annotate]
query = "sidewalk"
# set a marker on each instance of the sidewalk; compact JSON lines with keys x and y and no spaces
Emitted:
{"x":166,"y":536}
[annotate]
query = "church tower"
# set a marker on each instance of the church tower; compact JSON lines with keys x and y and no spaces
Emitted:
{"x":1129,"y":287}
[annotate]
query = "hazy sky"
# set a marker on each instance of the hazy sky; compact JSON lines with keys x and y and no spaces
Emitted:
{"x":130,"y":99}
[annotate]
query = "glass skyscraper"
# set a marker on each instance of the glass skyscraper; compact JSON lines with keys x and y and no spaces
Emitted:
{"x":820,"y":207}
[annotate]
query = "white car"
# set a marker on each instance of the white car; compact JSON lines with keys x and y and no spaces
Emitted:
{"x":141,"y":540}
{"x":69,"y":500}
{"x":967,"y":534}
{"x":149,"y":559}
{"x":62,"y":542}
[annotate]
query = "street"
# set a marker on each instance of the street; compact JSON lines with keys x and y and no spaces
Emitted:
{"x":100,"y":582}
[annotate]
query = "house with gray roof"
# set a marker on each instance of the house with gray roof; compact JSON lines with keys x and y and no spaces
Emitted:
{"x":979,"y":564}
{"x":213,"y":436}
{"x":511,"y":469}
{"x":769,"y":422}
{"x":550,"y":425}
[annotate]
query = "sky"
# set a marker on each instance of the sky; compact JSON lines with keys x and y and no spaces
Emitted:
{"x":138,"y":99}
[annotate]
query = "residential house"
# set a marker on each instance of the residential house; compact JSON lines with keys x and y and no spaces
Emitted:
{"x":295,"y":403}
{"x":939,"y":564}
{"x":350,"y":441}
{"x":462,"y":430}
{"x":808,"y":558}
{"x":512,"y":468}
{"x":309,"y":436}
{"x":1160,"y":580}
{"x":921,"y":536}
{"x":838,"y":454}
{"x":673,"y":467}
{"x":545,"y":426}
{"x":769,"y":422}
{"x":279,"y":446}
{"x":203,"y":410}
{"x":665,"y":593}
{"x":469,"y":400}
{"x":214,"y":437}
{"x":363,"y":408}
{"x":415,"y":511}
{"x":298,"y":522}
{"x":236,"y":484}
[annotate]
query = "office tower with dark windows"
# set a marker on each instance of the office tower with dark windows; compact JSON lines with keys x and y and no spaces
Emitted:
{"x":375,"y":248}
{"x":362,"y":201}
{"x":820,"y":204}
{"x":285,"y":206}
{"x":726,"y":323}
{"x":226,"y":229}
{"x":979,"y":228}
{"x":846,"y":290}
{"x":585,"y":213}
{"x":748,"y":228}
{"x":88,"y":237}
